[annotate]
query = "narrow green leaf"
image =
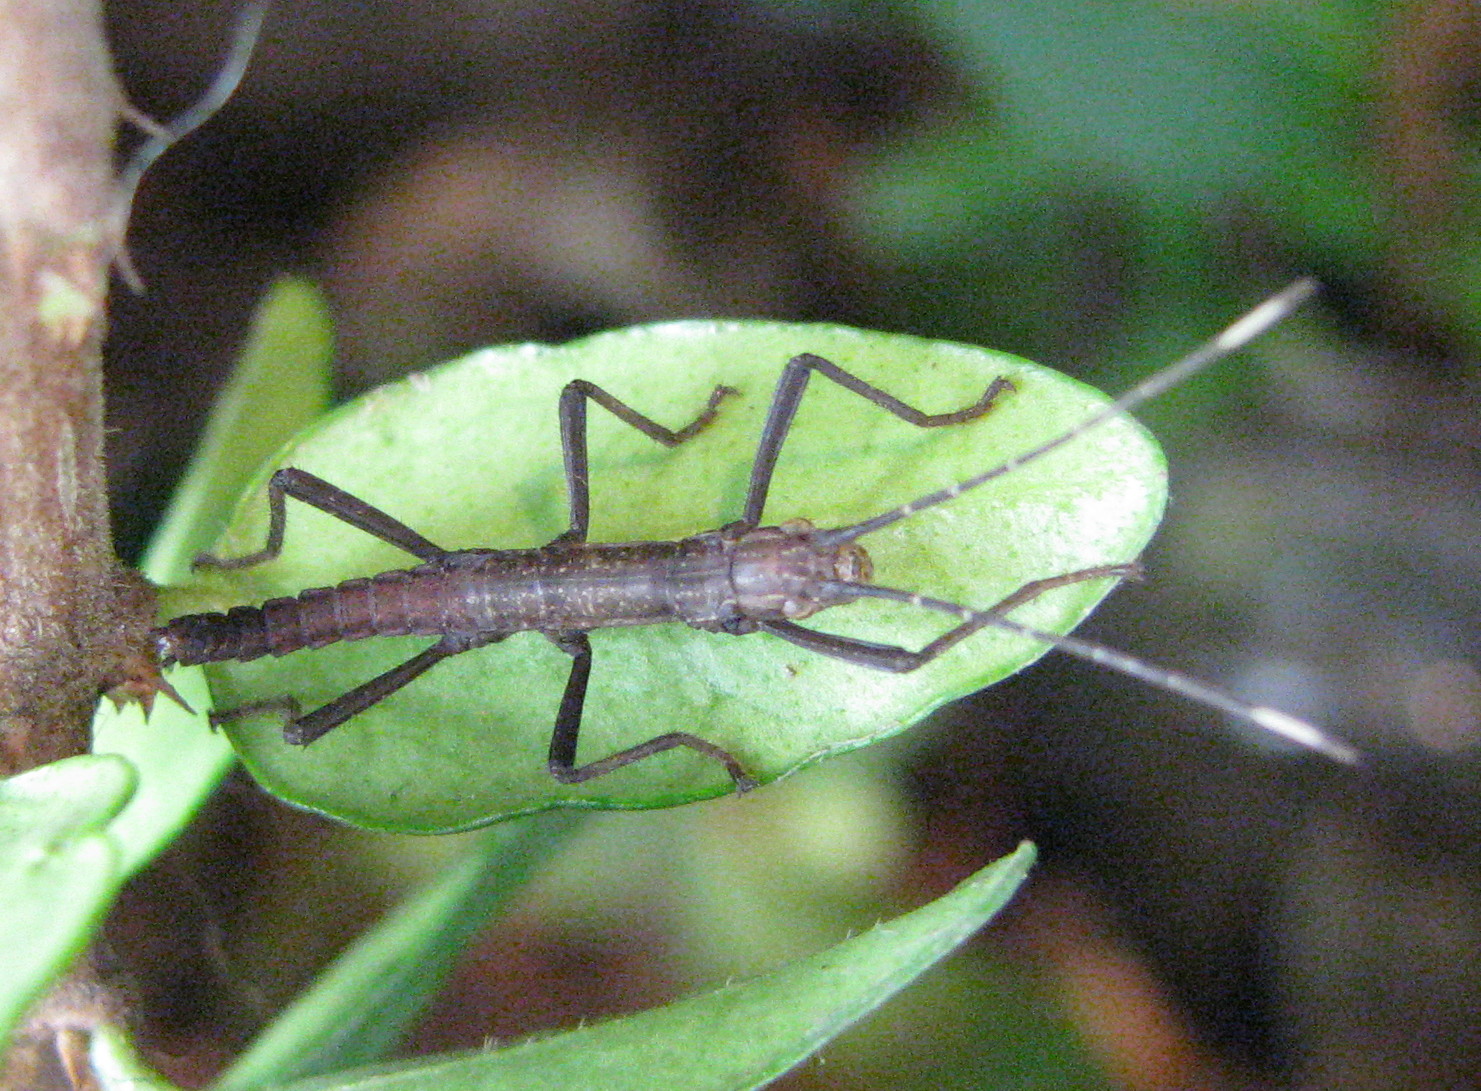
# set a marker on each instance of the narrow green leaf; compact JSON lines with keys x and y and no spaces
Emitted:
{"x":118,"y":1067}
{"x":179,"y":759}
{"x":358,"y":1009}
{"x":469,"y":455}
{"x":58,"y":869}
{"x":737,"y":1037}
{"x":279,"y":386}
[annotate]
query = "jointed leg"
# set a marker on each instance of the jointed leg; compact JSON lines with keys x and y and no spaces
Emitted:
{"x":318,"y":493}
{"x":788,"y":395}
{"x":573,"y":440}
{"x":562,"y":762}
{"x":889,"y":657}
{"x":301,"y":730}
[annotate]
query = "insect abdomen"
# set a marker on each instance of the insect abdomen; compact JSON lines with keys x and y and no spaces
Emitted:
{"x":212,"y":638}
{"x":393,"y":603}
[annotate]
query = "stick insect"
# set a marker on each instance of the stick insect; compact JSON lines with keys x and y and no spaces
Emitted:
{"x":744,"y":577}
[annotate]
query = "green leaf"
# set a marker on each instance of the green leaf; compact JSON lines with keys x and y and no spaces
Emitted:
{"x":279,"y":386}
{"x":358,"y":1009}
{"x":737,"y":1037}
{"x":117,"y":1066}
{"x":179,"y":760}
{"x":58,"y":869}
{"x":469,"y":455}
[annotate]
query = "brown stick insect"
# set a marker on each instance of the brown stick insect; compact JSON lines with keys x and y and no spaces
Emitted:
{"x":744,"y":577}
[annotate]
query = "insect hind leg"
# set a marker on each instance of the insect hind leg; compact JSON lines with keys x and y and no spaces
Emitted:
{"x":890,"y":657}
{"x":317,"y":493}
{"x":300,"y":729}
{"x":285,"y":707}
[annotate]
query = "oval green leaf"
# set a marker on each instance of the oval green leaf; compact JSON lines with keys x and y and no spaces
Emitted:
{"x":59,"y":869}
{"x":469,"y":455}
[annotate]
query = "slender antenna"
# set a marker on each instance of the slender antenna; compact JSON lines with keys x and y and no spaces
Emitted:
{"x":163,"y":137}
{"x":1243,"y":331}
{"x":1268,"y":719}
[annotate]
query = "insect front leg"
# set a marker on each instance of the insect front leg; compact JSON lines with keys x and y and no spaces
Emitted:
{"x":890,"y":657}
{"x":314,"y":491}
{"x":788,"y":396}
{"x":573,"y":440}
{"x":300,"y":730}
{"x":562,"y":761}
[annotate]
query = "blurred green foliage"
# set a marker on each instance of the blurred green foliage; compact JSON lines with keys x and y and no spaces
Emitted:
{"x":1128,"y":173}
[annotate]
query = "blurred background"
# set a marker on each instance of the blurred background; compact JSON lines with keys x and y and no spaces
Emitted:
{"x":1096,"y":186}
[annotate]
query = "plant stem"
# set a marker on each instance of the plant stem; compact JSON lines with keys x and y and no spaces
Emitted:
{"x":60,"y":223}
{"x":67,"y":612}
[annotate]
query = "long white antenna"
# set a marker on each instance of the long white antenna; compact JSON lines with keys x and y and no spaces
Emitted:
{"x":1268,"y":719}
{"x":163,"y":137}
{"x":1235,"y":337}
{"x":1241,"y":333}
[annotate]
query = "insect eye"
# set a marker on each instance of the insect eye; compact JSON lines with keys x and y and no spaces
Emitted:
{"x":853,"y":563}
{"x":798,"y":608}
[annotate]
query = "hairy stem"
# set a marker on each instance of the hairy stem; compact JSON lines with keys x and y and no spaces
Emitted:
{"x":59,"y":226}
{"x":66,"y":611}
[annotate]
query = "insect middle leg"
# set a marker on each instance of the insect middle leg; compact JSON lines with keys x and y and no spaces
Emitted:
{"x":573,"y":440}
{"x":788,"y":396}
{"x":314,"y":491}
{"x":562,"y":761}
{"x":890,"y":657}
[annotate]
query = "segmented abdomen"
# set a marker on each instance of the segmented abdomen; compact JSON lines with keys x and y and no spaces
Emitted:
{"x":394,"y":603}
